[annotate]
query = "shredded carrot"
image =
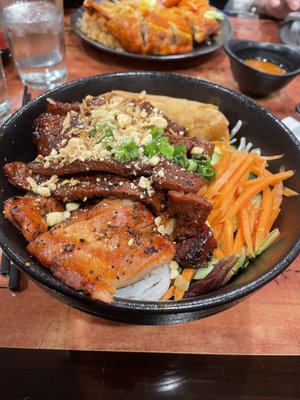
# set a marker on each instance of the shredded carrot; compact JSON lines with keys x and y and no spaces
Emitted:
{"x":239,"y":219}
{"x":256,"y":187}
{"x":169,"y":293}
{"x":246,"y":198}
{"x":228,"y":236}
{"x":187,"y":274}
{"x":265,"y":214}
{"x":238,"y":243}
{"x":219,"y":253}
{"x":246,"y":229}
{"x":225,"y":177}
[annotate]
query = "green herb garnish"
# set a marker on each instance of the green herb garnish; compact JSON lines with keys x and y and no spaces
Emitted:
{"x":127,"y":151}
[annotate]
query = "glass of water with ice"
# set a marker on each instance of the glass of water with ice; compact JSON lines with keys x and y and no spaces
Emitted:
{"x":34,"y":30}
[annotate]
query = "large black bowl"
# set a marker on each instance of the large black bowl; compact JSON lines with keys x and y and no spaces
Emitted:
{"x":259,"y":126}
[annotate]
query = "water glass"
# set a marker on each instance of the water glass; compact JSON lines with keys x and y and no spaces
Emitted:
{"x":34,"y":30}
{"x":4,"y":99}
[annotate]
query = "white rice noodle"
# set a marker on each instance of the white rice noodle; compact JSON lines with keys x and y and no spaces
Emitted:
{"x":151,"y":288}
{"x":236,"y":128}
{"x":243,"y":146}
{"x":247,"y":147}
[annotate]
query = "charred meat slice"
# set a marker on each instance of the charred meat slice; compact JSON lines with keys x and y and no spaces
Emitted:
{"x":170,"y":176}
{"x":191,"y":142}
{"x":85,"y":187}
{"x":190,"y":211}
{"x":195,"y":251}
{"x":17,"y":174}
{"x":27,"y":214}
{"x":172,"y":128}
{"x":113,"y":246}
{"x":61,"y":108}
{"x":47,"y":132}
{"x":50,"y":130}
{"x":130,"y":169}
{"x":82,"y":186}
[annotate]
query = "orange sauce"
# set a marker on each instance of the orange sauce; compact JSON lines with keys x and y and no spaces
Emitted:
{"x":265,"y":66}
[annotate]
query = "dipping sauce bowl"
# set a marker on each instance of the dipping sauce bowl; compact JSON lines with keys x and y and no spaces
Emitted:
{"x":253,"y":81}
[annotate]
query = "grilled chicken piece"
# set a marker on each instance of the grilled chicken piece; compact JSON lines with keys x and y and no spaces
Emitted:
{"x":112,"y":245}
{"x":107,"y":9}
{"x":179,"y":38}
{"x":127,"y":29}
{"x":28,"y":214}
{"x":160,"y":37}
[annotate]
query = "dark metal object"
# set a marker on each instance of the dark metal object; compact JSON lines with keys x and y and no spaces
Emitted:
{"x":298,"y":108}
{"x":5,"y":265}
{"x":7,"y":268}
{"x":215,"y":43}
{"x":259,"y":126}
{"x":26,"y":96}
{"x":14,"y":278}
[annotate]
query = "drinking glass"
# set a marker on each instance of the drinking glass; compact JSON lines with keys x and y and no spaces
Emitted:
{"x":34,"y":30}
{"x":4,"y":99}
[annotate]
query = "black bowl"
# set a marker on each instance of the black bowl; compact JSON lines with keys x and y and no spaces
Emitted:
{"x":258,"y":83}
{"x":259,"y":126}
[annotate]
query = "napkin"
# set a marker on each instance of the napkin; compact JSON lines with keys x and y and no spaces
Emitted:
{"x":290,"y":29}
{"x":293,"y":124}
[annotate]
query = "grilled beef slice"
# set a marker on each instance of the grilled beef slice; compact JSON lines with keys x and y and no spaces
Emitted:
{"x":190,"y":211}
{"x":195,"y":251}
{"x":85,"y":186}
{"x":170,"y":176}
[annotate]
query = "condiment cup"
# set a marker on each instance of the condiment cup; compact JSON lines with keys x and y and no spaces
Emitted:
{"x":257,"y":83}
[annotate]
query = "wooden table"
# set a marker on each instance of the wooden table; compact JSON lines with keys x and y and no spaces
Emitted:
{"x":265,"y":324}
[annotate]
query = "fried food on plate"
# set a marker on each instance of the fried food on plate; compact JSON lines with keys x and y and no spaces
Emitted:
{"x":150,"y":27}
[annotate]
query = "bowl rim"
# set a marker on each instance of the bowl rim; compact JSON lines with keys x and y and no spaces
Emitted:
{"x":260,"y":45}
{"x":223,"y":296}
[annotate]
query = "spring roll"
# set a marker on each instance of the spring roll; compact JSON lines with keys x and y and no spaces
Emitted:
{"x":202,"y":120}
